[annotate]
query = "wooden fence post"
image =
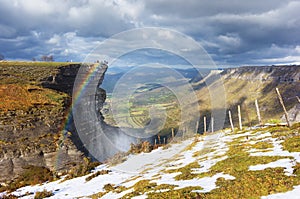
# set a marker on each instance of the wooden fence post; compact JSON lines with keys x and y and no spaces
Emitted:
{"x":298,"y":99}
{"x":284,"y":109}
{"x":230,"y":120}
{"x":212,"y":124}
{"x":240,"y":117}
{"x":158,"y":137}
{"x":197,"y":126}
{"x":204,"y":121}
{"x":258,"y":112}
{"x":173,"y":133}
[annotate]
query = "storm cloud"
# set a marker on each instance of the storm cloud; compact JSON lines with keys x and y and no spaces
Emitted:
{"x":233,"y":32}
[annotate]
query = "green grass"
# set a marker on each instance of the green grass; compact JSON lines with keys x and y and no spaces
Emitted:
{"x":262,"y":145}
{"x":247,"y":184}
{"x":292,"y":144}
{"x":28,"y":72}
{"x":139,"y":107}
{"x":253,"y":184}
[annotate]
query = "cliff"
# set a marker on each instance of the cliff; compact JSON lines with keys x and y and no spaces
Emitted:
{"x":279,"y":74}
{"x":34,"y":113}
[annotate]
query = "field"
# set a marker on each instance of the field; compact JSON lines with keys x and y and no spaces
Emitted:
{"x":143,"y":100}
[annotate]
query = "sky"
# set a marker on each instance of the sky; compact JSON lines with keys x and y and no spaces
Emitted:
{"x":233,"y":32}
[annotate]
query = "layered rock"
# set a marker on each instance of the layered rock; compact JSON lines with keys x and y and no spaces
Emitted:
{"x":37,"y":134}
{"x":289,"y":73}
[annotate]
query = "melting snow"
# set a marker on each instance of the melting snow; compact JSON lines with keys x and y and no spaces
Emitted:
{"x":285,"y":163}
{"x":152,"y":166}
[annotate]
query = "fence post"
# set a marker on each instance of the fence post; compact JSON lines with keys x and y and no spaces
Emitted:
{"x":158,"y":137}
{"x":284,"y":109}
{"x":172,"y":133}
{"x":230,"y":120}
{"x":258,"y":112}
{"x":212,"y":124}
{"x":197,"y":126}
{"x":204,"y":121}
{"x":240,"y":117}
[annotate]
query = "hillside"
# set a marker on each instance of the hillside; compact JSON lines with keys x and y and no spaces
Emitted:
{"x":244,"y":85}
{"x":253,"y":163}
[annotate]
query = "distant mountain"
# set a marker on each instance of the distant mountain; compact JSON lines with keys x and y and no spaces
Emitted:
{"x":115,"y":73}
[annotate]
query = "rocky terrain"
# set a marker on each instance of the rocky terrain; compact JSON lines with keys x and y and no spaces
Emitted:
{"x":34,"y":125}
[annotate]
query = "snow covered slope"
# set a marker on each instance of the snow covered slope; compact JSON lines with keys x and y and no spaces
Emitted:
{"x":256,"y":162}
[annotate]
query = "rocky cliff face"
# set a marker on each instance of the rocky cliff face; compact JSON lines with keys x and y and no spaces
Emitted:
{"x":290,"y":73}
{"x":35,"y":124}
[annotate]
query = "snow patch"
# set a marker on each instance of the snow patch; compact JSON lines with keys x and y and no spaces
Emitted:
{"x":286,"y":163}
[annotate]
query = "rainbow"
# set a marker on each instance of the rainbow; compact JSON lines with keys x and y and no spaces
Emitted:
{"x":77,"y":94}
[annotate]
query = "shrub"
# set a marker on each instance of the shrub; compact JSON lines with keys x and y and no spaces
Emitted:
{"x":108,"y":187}
{"x":82,"y":169}
{"x":30,"y":176}
{"x":145,"y":147}
{"x":10,"y":196}
{"x":43,"y":194}
{"x":35,"y":175}
{"x":102,"y":172}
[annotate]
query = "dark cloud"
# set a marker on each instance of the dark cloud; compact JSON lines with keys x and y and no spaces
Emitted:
{"x":194,"y":9}
{"x":233,"y":32}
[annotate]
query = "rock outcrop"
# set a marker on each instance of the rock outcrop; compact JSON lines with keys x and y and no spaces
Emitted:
{"x":293,"y":114}
{"x":289,"y":73}
{"x":40,"y":133}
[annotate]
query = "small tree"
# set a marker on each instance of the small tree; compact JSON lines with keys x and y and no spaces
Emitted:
{"x":47,"y":58}
{"x":50,"y":58}
{"x":44,"y":58}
